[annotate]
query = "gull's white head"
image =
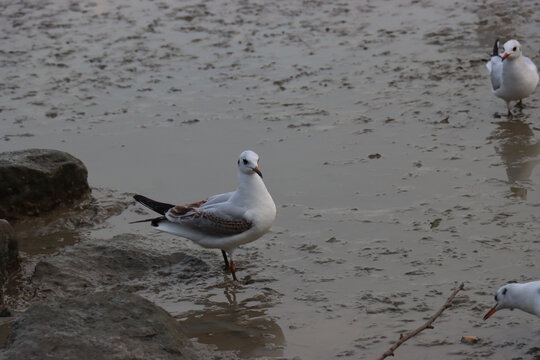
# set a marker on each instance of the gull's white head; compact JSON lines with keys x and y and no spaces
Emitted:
{"x":512,"y":50}
{"x":248,"y":163}
{"x":504,"y":299}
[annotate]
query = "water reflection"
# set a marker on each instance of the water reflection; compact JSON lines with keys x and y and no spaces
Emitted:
{"x":241,"y":326}
{"x":519,"y":149}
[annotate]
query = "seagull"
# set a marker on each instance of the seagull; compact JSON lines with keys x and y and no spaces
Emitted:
{"x":513,"y":76}
{"x":223,"y":221}
{"x":525,"y":296}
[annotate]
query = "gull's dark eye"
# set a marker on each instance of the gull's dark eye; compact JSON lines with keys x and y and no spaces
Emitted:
{"x":245,"y":162}
{"x":496,"y":298}
{"x":504,"y":291}
{"x":515,"y":48}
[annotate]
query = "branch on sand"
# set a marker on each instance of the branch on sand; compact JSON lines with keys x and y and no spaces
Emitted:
{"x":427,"y":325}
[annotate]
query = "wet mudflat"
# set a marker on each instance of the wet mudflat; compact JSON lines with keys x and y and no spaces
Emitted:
{"x":395,"y":172}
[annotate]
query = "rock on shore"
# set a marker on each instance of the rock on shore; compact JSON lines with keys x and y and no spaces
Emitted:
{"x":37,"y":180}
{"x":79,"y":302}
{"x":116,"y":263}
{"x":84,"y":306}
{"x":103,"y":325}
{"x":9,"y":253}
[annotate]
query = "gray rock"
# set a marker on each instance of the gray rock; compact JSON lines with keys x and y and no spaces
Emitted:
{"x":84,"y":306}
{"x":109,"y":264}
{"x":9,"y":253}
{"x":37,"y":180}
{"x":104,"y":325}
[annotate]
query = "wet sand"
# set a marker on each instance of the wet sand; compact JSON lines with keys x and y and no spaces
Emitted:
{"x":395,"y":172}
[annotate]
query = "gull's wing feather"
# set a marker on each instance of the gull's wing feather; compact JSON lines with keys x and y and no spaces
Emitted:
{"x":530,"y":64}
{"x":159,"y":207}
{"x":175,"y":212}
{"x":223,"y":219}
{"x":495,"y":68}
{"x":216,"y":199}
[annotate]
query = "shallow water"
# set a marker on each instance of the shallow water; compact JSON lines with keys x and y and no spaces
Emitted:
{"x":395,"y":172}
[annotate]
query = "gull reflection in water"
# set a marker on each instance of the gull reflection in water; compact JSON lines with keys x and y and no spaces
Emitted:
{"x":519,"y":149}
{"x":240,"y":326}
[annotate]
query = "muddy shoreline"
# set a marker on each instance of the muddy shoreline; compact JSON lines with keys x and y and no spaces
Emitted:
{"x":395,"y":172}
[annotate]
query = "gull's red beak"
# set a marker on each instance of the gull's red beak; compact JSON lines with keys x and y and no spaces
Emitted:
{"x":256,"y":169}
{"x":490,"y":312}
{"x":505,"y":55}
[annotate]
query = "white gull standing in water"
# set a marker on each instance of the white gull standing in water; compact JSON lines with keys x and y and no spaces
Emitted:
{"x":513,"y":76}
{"x":223,"y":221}
{"x":525,"y":296}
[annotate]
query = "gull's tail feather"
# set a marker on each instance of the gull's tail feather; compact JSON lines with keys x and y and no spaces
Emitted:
{"x":159,"y":207}
{"x":154,"y":221}
{"x":496,"y":48}
{"x":494,"y":66}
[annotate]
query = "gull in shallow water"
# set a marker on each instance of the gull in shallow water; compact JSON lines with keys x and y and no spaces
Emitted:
{"x":223,"y":221}
{"x":513,"y":76}
{"x":524,"y":296}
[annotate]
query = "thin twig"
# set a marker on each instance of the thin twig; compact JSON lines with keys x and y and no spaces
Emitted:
{"x":427,"y":325}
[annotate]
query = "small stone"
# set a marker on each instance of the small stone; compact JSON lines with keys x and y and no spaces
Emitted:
{"x":468,"y":339}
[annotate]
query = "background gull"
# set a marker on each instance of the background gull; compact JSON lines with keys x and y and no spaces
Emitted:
{"x":525,"y":297}
{"x":513,"y":76}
